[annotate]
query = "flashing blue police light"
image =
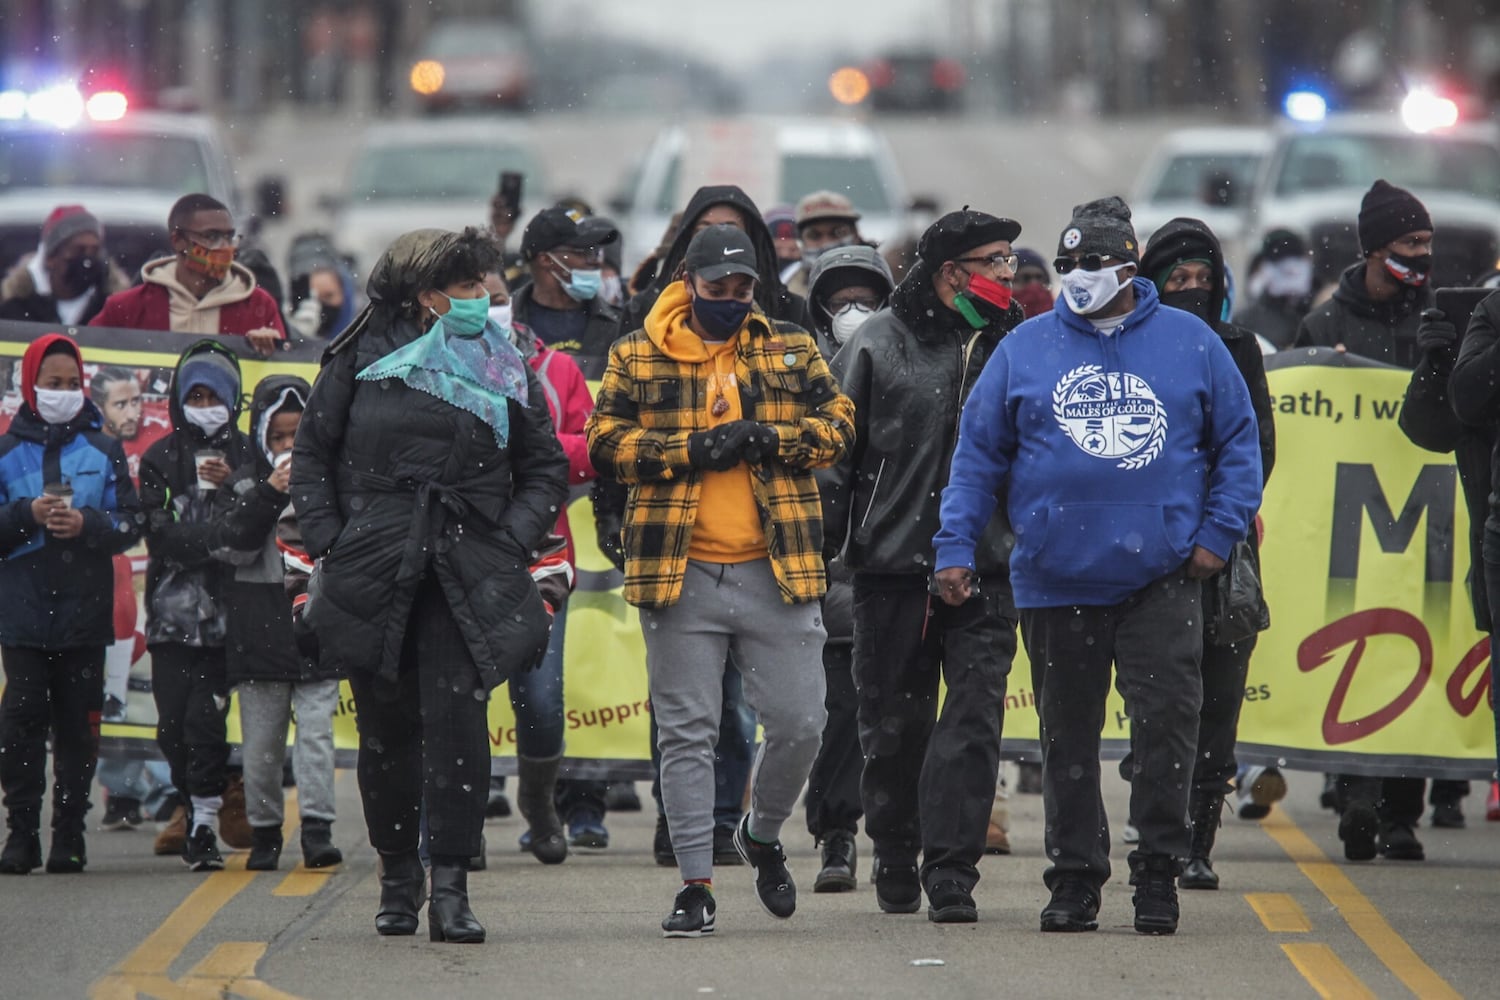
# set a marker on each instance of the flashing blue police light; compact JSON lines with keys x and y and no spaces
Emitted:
{"x":1305,"y":106}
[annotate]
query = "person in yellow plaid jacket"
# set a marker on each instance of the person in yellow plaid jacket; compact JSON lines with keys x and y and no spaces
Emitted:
{"x":715,"y":417}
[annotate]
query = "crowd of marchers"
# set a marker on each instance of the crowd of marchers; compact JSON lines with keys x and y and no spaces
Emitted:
{"x":828,"y":486}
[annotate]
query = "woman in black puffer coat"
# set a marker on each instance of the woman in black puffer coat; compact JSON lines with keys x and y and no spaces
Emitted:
{"x":425,"y":473}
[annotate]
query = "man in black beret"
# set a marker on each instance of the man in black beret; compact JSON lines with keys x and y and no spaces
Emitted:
{"x":1377,"y":307}
{"x":929,"y":777}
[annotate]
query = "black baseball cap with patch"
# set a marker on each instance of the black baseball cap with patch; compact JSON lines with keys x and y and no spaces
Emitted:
{"x":719,"y":251}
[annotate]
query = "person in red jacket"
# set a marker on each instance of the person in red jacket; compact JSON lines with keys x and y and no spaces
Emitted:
{"x":199,"y":289}
{"x":537,"y":695}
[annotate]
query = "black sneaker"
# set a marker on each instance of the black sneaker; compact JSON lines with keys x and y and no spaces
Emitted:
{"x":1074,"y":907}
{"x":661,"y":844}
{"x":121,"y":813}
{"x":897,"y":888}
{"x":265,"y":853}
{"x":621,"y":797}
{"x":839,"y":862}
{"x":725,"y":853}
{"x":1357,"y":826}
{"x":1448,"y":815}
{"x":22,"y":853}
{"x":67,"y":856}
{"x":692,"y":913}
{"x":773,"y":883}
{"x":1399,"y":842}
{"x":200,"y":851}
{"x":950,"y":902}
{"x":1155,"y":879}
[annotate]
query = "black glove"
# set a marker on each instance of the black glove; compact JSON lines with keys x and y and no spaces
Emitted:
{"x":721,"y":448}
{"x":764,"y":444}
{"x":1437,"y":336}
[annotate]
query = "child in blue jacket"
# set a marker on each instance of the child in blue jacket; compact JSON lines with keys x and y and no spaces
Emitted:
{"x":67,"y":506}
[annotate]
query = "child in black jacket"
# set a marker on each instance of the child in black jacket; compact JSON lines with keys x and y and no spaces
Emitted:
{"x":185,"y":611}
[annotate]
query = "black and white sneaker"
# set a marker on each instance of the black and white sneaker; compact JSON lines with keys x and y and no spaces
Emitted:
{"x":200,"y":852}
{"x":692,"y":913}
{"x":773,"y":883}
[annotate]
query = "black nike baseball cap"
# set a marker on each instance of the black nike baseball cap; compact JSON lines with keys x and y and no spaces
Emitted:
{"x":719,"y":251}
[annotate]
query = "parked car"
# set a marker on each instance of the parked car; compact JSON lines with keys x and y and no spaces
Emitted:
{"x":1201,"y":173}
{"x":408,"y":175}
{"x":1314,"y":180}
{"x":472,"y":63}
{"x":127,"y":168}
{"x":776,"y":161}
{"x":916,"y":80}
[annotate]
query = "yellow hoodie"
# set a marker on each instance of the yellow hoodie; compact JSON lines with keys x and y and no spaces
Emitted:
{"x":727,"y":528}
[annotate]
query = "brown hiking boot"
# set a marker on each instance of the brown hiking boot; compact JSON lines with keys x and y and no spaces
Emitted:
{"x":997,"y":837}
{"x":234,"y":826}
{"x":173,"y":835}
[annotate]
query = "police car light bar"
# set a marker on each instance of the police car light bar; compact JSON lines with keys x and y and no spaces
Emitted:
{"x":62,"y":105}
{"x":1423,"y":110}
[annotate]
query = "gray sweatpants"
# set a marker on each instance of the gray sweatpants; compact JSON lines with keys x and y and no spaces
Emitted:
{"x":266,"y":709}
{"x":779,"y":650}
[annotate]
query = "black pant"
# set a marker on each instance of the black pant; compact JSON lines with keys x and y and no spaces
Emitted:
{"x":424,"y":737}
{"x":1154,"y":640}
{"x":1224,"y":671}
{"x":1398,"y":801}
{"x":61,"y":690}
{"x":576,"y":796}
{"x":191,"y":687}
{"x":929,"y":778}
{"x":833,"y":786}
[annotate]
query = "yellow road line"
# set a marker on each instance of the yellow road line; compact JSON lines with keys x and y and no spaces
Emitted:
{"x":229,"y":960}
{"x":1279,"y":912}
{"x":156,"y":954}
{"x":1325,"y":972}
{"x":1357,"y":910}
{"x":302,"y":881}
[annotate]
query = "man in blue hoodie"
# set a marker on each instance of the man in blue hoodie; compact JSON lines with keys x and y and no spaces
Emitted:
{"x":1124,"y":442}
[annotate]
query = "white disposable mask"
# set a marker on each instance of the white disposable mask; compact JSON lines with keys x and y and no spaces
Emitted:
{"x":208,"y":419}
{"x":846,"y":321}
{"x":500,"y":316}
{"x":58,"y":406}
{"x":1289,"y":278}
{"x":1089,"y":291}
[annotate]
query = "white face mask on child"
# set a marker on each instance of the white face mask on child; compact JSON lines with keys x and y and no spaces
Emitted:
{"x":208,"y":419}
{"x":58,"y":406}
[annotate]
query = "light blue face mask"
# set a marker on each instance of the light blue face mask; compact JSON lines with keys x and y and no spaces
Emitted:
{"x":465,"y":317}
{"x":581,"y":285}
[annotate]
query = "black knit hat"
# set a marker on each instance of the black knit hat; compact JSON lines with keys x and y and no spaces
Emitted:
{"x":1102,"y":227}
{"x":1387,"y":214}
{"x":956,"y":233}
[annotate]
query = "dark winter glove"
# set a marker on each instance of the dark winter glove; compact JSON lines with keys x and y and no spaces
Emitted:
{"x":1438,"y":338}
{"x":721,"y":448}
{"x":764,"y":444}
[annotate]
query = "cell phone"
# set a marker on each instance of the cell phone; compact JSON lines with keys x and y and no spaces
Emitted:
{"x":510,"y":190}
{"x":1458,"y":304}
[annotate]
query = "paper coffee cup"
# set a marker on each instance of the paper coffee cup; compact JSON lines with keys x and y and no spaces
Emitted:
{"x":199,"y":457}
{"x":62,"y":491}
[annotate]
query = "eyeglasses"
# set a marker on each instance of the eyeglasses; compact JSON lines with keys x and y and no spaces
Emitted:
{"x":995,"y":260}
{"x":588,"y":255}
{"x":213,"y":238}
{"x":870,"y":303}
{"x":1089,"y":262}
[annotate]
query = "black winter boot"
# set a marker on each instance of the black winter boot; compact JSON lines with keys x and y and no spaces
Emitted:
{"x":1204,"y":809}
{"x":535,"y":797}
{"x":402,"y":885}
{"x":265,"y":849}
{"x":448,"y":915}
{"x":317,"y":844}
{"x":23,"y":848}
{"x":1155,"y":879}
{"x":839,"y":861}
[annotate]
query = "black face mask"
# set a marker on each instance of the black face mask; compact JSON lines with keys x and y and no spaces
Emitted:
{"x":327,"y":316}
{"x":83,"y":273}
{"x":1197,"y":301}
{"x":1409,"y":270}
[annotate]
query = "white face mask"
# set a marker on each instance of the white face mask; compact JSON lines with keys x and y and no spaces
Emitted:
{"x":208,"y":419}
{"x":500,"y":316}
{"x":846,"y":321}
{"x":58,"y":406}
{"x":1089,"y":291}
{"x":1289,"y":278}
{"x":612,"y":291}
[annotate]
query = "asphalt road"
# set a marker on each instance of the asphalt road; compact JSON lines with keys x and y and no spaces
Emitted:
{"x":1290,"y":921}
